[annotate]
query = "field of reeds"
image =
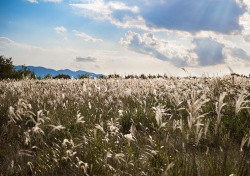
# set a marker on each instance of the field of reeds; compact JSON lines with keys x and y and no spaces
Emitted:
{"x":162,"y":126}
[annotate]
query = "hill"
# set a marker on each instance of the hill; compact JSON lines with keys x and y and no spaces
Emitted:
{"x":42,"y":71}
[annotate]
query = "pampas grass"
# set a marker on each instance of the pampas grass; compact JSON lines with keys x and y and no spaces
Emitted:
{"x":116,"y":126}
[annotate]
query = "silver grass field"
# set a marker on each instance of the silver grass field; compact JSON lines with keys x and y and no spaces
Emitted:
{"x":161,"y":126}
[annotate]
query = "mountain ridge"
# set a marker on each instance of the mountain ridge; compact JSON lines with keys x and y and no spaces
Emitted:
{"x":42,"y":71}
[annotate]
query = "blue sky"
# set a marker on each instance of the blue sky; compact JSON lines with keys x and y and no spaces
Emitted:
{"x":126,"y":37}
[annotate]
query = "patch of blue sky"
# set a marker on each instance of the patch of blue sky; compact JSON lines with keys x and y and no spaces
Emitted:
{"x":39,"y":19}
{"x":21,"y":19}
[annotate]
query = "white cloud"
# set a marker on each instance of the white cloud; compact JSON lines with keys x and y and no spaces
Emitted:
{"x":55,"y":1}
{"x":52,"y":57}
{"x":118,"y":59}
{"x":209,"y":15}
{"x":6,"y":42}
{"x":244,"y":3}
{"x":36,"y":1}
{"x":148,"y":44}
{"x":86,"y":37}
{"x":240,"y":54}
{"x":145,"y":44}
{"x":202,"y":50}
{"x":101,"y":10}
{"x":61,"y":31}
{"x":94,"y":8}
{"x":32,"y":1}
{"x":245,"y":22}
{"x":85,"y":59}
{"x":104,"y":9}
{"x":131,"y":22}
{"x":122,"y":6}
{"x":237,"y":57}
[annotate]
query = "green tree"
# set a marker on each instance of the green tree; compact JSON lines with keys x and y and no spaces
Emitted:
{"x":24,"y":72}
{"x":62,"y":76}
{"x":6,"y":68}
{"x":102,"y":77}
{"x":48,"y":76}
{"x":83,"y":76}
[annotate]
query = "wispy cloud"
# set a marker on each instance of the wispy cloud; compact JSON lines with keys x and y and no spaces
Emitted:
{"x":32,"y":1}
{"x":85,"y":59}
{"x":56,"y":1}
{"x":36,"y":1}
{"x":53,"y":56}
{"x":116,"y":12}
{"x":61,"y":31}
{"x":6,"y":42}
{"x":104,"y":9}
{"x":239,"y":54}
{"x":86,"y":37}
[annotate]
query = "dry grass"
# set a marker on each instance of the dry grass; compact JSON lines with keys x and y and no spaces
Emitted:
{"x":170,"y":126}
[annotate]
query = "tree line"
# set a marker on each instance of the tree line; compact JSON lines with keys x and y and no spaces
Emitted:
{"x":7,"y":71}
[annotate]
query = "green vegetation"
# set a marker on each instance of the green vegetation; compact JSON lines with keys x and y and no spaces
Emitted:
{"x":161,"y":126}
{"x":61,"y":76}
{"x":48,"y":76}
{"x":6,"y":67}
{"x":83,"y":76}
{"x":7,"y":70}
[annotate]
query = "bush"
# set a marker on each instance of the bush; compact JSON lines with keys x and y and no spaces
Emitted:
{"x":83,"y":76}
{"x":48,"y":76}
{"x":24,"y":72}
{"x":62,"y":76}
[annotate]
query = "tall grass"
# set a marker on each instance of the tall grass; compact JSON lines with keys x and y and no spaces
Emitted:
{"x":163,"y":126}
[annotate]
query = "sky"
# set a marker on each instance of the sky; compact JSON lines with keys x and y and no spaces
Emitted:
{"x":173,"y":37}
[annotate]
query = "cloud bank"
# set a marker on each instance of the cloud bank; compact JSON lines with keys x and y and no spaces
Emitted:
{"x":143,"y":44}
{"x":148,"y":44}
{"x":220,"y":16}
{"x":204,"y":51}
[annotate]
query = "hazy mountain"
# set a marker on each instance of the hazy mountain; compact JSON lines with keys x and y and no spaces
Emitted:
{"x":42,"y":71}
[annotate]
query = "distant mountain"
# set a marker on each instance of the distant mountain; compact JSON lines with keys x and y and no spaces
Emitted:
{"x":42,"y":71}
